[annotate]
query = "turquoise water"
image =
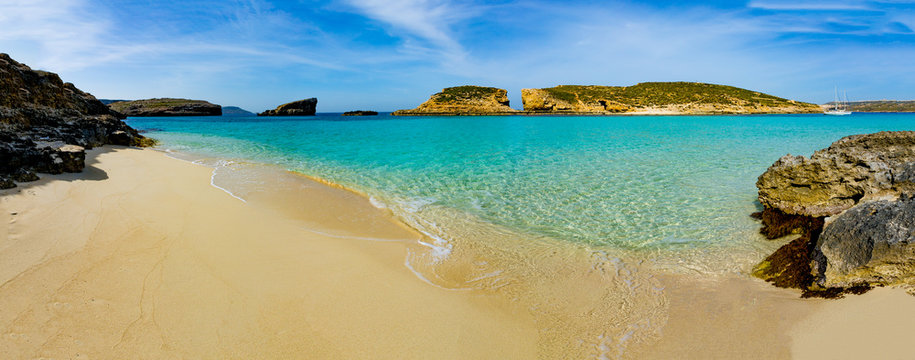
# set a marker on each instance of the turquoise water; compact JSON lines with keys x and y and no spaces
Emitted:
{"x":645,"y":182}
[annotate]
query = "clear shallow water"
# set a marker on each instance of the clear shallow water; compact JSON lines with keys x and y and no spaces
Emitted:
{"x":642,"y":183}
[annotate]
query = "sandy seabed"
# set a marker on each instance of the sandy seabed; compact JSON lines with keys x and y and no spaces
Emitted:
{"x":139,"y":257}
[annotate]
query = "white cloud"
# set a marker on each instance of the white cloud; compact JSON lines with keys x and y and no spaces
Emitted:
{"x":428,"y":20}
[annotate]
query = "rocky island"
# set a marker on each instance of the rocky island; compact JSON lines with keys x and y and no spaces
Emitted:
{"x":166,"y":107}
{"x":658,"y":98}
{"x":853,"y":205}
{"x":304,"y":107}
{"x":464,"y":100}
{"x":360,"y":113}
{"x":46,"y":124}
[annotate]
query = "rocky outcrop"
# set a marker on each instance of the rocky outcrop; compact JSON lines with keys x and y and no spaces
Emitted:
{"x":838,"y":177}
{"x":360,"y":113}
{"x":166,"y":107}
{"x":304,"y":107}
{"x":666,"y":98}
{"x":464,"y":100}
{"x":45,"y":124}
{"x":852,"y":203}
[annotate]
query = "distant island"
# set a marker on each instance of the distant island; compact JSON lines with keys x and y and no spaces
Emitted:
{"x":166,"y":107}
{"x":464,"y":100}
{"x":652,"y":98}
{"x":305,"y":107}
{"x":235,"y":111}
{"x":360,"y":113}
{"x":877,"y":106}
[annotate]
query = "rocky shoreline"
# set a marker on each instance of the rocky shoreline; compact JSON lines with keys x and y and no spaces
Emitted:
{"x":853,"y":205}
{"x":46,"y":124}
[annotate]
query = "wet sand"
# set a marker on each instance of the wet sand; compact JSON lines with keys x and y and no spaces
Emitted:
{"x":140,"y":256}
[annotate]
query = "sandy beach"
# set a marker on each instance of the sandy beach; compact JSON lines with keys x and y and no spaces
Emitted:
{"x":139,"y":256}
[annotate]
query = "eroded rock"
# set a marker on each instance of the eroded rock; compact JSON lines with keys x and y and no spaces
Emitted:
{"x":306,"y":107}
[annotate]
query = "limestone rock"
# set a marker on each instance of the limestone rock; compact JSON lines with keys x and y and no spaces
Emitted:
{"x":673,"y":98}
{"x":853,"y":204}
{"x":45,"y":124}
{"x":166,"y":107}
{"x":836,"y":178}
{"x":464,"y":100}
{"x":304,"y":107}
{"x":872,"y":243}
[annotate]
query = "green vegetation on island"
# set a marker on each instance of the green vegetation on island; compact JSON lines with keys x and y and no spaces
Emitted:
{"x":464,"y":100}
{"x":658,"y":97}
{"x":166,"y":107}
{"x":878,"y":106}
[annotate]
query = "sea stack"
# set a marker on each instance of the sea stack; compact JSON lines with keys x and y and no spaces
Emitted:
{"x":304,"y":107}
{"x":166,"y":107}
{"x":853,"y":204}
{"x":663,"y":98}
{"x":464,"y":100}
{"x":45,"y":124}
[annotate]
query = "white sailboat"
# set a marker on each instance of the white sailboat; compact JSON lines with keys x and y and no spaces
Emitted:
{"x":836,"y":110}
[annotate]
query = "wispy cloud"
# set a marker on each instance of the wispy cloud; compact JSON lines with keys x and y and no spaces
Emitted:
{"x":808,"y":5}
{"x":425,"y":24}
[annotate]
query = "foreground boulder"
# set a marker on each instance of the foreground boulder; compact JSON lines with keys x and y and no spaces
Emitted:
{"x":464,"y":100}
{"x":852,"y":203}
{"x":46,"y":124}
{"x":674,"y":98}
{"x":304,"y":107}
{"x":166,"y":107}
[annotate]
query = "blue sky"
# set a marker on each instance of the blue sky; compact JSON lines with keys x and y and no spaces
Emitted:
{"x":392,"y":54}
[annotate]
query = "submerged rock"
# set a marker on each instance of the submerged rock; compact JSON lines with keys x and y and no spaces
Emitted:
{"x":166,"y":107}
{"x":45,"y":124}
{"x":304,"y":107}
{"x":464,"y":100}
{"x":853,"y":205}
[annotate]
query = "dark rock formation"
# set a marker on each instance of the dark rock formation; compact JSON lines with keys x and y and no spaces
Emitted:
{"x":166,"y":107}
{"x":852,"y":204}
{"x":45,"y":124}
{"x":360,"y":113}
{"x":235,"y":111}
{"x":464,"y":100}
{"x":304,"y":107}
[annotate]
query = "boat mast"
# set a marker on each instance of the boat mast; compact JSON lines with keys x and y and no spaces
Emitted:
{"x":845,"y":96}
{"x":836,"y":103}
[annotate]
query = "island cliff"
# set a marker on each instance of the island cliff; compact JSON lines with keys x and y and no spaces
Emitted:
{"x":304,"y":107}
{"x":166,"y":107}
{"x":660,"y":98}
{"x":464,"y":100}
{"x":45,"y":124}
{"x":853,"y":205}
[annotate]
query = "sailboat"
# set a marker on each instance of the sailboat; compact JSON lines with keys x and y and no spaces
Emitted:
{"x":836,"y":110}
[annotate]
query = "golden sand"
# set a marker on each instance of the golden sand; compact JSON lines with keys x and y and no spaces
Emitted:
{"x":141,"y":257}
